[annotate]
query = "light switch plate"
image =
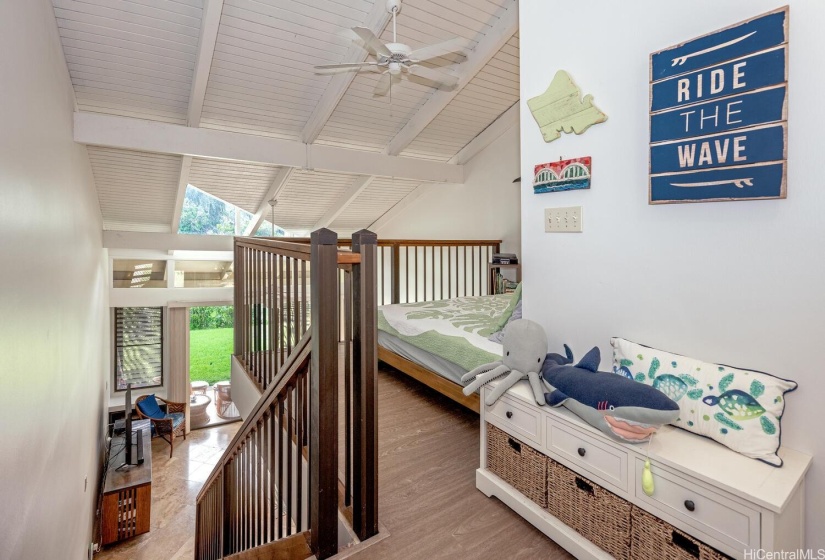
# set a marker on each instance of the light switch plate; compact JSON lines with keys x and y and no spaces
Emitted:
{"x":563,"y":220}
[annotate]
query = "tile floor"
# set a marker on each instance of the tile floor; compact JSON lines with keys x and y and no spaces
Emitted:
{"x":175,"y":486}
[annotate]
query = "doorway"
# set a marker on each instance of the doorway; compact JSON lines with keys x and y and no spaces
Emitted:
{"x":211,"y":339}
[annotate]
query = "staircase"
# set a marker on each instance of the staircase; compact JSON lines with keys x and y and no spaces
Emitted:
{"x":275,"y":493}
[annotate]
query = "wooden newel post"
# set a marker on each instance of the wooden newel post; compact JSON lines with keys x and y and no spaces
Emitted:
{"x":365,"y":368}
{"x":323,"y":387}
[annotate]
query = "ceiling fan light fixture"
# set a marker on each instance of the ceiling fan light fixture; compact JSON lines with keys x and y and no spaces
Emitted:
{"x":398,"y":59}
{"x":393,"y":6}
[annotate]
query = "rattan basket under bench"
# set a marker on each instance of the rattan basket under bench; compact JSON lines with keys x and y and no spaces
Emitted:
{"x":583,"y":490}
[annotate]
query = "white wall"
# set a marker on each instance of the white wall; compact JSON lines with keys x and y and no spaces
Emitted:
{"x":486,"y":206}
{"x":52,"y":299}
{"x":741,"y":283}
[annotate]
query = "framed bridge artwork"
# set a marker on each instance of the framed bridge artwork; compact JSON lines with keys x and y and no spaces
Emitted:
{"x":566,"y":175}
{"x":719,"y":115}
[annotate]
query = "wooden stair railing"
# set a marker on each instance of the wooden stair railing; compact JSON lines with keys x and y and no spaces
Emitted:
{"x":278,"y":479}
{"x":413,"y":270}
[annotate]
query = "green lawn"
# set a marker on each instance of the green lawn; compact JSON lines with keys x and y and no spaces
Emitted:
{"x":209,"y":354}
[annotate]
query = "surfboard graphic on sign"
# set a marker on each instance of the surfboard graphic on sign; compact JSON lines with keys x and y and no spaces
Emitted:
{"x":718,"y":114}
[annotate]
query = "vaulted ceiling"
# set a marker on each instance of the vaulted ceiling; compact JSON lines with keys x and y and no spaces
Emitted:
{"x":235,"y":108}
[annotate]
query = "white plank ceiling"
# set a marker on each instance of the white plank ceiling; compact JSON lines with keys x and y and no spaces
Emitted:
{"x":306,"y":197}
{"x":381,"y":195}
{"x":136,"y":189}
{"x":131,"y":58}
{"x":136,"y":58}
{"x":491,"y":92}
{"x":240,"y":183}
{"x":262,"y":80}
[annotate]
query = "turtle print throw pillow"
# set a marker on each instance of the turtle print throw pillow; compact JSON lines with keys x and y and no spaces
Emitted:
{"x":738,"y":408}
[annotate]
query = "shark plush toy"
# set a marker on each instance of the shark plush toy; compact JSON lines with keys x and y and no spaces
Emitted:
{"x":621,"y":408}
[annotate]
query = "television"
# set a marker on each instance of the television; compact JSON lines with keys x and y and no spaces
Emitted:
{"x":130,"y":457}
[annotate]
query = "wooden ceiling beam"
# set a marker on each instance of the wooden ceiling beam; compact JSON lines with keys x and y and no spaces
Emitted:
{"x":210,"y":22}
{"x":277,"y":185}
{"x":127,"y":133}
{"x":507,"y":120}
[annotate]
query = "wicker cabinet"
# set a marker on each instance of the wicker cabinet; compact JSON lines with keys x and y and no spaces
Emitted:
{"x":583,"y":489}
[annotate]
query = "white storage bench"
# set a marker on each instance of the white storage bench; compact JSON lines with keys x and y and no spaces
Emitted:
{"x":707,"y":500}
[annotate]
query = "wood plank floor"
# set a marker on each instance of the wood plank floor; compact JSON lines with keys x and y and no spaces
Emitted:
{"x":428,"y":453}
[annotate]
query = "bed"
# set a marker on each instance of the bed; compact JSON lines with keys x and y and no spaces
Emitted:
{"x":436,"y":342}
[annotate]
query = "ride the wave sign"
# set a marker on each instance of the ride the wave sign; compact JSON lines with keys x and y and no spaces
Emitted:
{"x":719,"y":114}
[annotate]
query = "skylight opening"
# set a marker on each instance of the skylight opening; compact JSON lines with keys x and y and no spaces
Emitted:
{"x":205,"y":214}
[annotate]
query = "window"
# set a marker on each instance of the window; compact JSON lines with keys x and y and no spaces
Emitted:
{"x":267,"y":230}
{"x":205,"y":214}
{"x":138,"y":347}
{"x":138,"y":273}
{"x":204,"y":274}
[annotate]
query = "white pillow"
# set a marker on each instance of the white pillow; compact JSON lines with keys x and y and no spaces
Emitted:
{"x":738,"y":408}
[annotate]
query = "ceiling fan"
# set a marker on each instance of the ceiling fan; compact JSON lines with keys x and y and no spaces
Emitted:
{"x":396,"y":60}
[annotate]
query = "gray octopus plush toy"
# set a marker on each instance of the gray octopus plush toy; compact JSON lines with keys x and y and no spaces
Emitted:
{"x":524,"y":349}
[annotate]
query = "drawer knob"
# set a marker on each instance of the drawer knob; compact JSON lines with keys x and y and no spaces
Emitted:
{"x":689,"y":505}
{"x":509,"y":414}
{"x":582,"y":451}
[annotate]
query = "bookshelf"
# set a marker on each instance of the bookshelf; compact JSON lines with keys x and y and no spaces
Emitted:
{"x":493,"y":271}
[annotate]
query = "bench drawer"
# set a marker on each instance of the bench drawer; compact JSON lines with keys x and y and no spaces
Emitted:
{"x":607,"y":463}
{"x":516,"y":418}
{"x":728,"y":521}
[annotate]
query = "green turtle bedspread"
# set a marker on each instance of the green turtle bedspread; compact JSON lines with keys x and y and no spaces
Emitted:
{"x":454,"y":329}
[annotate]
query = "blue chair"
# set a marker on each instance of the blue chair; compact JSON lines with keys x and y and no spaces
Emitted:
{"x":165,"y":425}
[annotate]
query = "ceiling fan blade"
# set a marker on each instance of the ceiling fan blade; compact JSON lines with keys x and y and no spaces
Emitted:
{"x":439,"y":49}
{"x":438,"y":79}
{"x":382,"y":88}
{"x":372,"y":43}
{"x":345,"y":65}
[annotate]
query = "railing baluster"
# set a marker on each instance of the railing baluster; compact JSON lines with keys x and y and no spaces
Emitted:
{"x":274,"y":469}
{"x":304,"y":296}
{"x":289,"y":411}
{"x":281,"y":354}
{"x":290,"y":310}
{"x":296,"y":315}
{"x":266,"y":317}
{"x":280,"y":465}
{"x":415,"y":272}
{"x":299,"y":442}
{"x":256,"y":318}
{"x":396,"y":274}
{"x":258,"y":487}
{"x":432,"y":257}
{"x":347,"y":389}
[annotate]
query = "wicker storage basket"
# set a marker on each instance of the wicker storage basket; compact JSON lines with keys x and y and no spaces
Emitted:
{"x":599,"y":516}
{"x":518,"y":464}
{"x":654,"y":538}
